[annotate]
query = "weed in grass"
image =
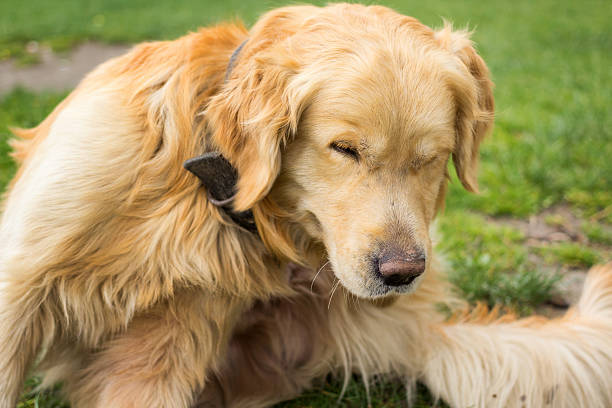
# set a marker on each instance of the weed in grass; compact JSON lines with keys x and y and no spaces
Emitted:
{"x":597,"y":232}
{"x":555,"y":220}
{"x":596,"y":205}
{"x":570,"y":254}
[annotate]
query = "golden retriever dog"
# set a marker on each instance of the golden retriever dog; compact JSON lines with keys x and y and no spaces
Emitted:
{"x":295,"y":243}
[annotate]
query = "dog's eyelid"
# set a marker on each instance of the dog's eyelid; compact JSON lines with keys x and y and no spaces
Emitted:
{"x":422,"y":160}
{"x":344,"y":147}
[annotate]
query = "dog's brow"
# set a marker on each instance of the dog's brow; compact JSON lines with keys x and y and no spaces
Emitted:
{"x":349,"y":137}
{"x":353,"y":124}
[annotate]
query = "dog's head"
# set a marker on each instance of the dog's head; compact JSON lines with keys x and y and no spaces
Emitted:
{"x":343,"y":119}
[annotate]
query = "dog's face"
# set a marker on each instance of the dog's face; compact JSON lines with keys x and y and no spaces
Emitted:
{"x":366,"y":170}
{"x":355,"y":134}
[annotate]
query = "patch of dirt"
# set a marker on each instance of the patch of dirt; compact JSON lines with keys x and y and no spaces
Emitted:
{"x":554,"y":225}
{"x":57,"y":72}
{"x":567,"y":293}
{"x":569,"y":289}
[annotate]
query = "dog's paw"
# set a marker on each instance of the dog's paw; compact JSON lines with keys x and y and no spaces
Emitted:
{"x":596,"y":298}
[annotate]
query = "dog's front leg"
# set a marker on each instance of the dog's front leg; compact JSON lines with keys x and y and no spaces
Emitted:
{"x":164,"y":357}
{"x":532,"y":362}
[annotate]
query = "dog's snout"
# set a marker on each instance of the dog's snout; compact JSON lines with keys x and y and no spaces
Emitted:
{"x":401,"y":268}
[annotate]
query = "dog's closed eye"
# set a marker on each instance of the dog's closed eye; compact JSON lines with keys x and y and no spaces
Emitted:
{"x":345,"y":148}
{"x":421,"y":161}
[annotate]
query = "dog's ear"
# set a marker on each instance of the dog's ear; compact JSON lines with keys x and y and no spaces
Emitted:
{"x":473,"y":91}
{"x":249,"y":123}
{"x":254,"y":115}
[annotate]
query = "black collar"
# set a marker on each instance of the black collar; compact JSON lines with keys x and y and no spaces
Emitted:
{"x":232,"y":60}
{"x":219,"y":177}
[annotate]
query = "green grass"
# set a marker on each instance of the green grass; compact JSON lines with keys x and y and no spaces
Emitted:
{"x":552,"y":142}
{"x":597,"y":205}
{"x":23,"y":109}
{"x":32,"y":398}
{"x":571,"y":254}
{"x":598,"y":233}
{"x":383,"y":393}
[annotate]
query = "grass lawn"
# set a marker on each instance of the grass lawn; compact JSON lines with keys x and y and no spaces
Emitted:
{"x":545,"y":207}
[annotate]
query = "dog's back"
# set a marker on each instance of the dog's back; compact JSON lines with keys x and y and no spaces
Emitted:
{"x":101,"y":209}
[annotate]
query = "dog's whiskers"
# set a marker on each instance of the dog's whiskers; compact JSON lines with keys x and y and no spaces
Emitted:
{"x":355,"y":300}
{"x":332,"y":293}
{"x":317,"y":274}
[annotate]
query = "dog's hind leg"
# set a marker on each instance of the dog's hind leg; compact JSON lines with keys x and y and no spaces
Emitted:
{"x":282,"y":347}
{"x":279,"y":346}
{"x":481,"y":361}
{"x":163,"y":358}
{"x":24,"y":323}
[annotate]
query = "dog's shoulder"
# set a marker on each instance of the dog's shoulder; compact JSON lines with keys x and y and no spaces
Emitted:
{"x":131,"y":110}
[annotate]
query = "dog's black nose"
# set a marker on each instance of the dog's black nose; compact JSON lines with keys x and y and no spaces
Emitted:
{"x":401,"y":267}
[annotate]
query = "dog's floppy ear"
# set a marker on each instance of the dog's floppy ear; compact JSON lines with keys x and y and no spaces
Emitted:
{"x":473,"y":91}
{"x":254,"y":115}
{"x":249,"y":122}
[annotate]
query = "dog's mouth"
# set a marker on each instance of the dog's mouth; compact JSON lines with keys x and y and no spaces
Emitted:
{"x":381,"y":289}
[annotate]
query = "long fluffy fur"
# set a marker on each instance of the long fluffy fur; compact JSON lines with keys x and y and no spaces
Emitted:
{"x":138,"y":292}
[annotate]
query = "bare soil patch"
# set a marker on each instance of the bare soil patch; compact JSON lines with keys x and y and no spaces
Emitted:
{"x":555,"y":224}
{"x":57,"y":72}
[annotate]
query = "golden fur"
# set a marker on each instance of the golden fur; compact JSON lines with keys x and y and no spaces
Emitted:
{"x":138,"y":292}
